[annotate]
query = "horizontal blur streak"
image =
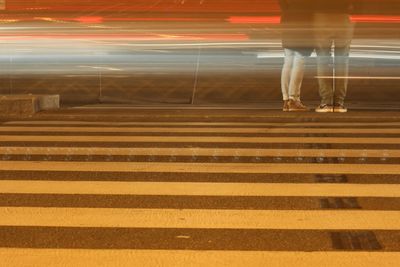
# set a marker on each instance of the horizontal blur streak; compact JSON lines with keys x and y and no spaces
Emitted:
{"x":147,"y":5}
{"x":234,"y":19}
{"x":375,"y":19}
{"x":128,"y":37}
{"x":181,"y":6}
{"x":255,"y":20}
{"x":277,"y":19}
{"x":161,"y":50}
{"x":99,"y":19}
{"x":102,"y":19}
{"x":358,"y":78}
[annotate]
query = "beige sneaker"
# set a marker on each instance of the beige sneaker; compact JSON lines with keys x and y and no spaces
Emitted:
{"x":339,"y":108}
{"x":285,"y":105}
{"x":323,"y":108}
{"x":297,"y":106}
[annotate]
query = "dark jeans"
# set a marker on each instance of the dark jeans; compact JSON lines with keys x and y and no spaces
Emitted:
{"x":333,"y":30}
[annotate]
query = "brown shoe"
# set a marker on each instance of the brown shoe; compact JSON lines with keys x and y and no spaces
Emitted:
{"x":285,"y":105}
{"x":297,"y":106}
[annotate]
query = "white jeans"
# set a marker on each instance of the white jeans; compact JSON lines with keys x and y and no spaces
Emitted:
{"x":292,"y":75}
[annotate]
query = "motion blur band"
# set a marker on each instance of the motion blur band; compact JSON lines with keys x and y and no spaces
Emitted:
{"x":333,"y":29}
{"x":297,"y":41}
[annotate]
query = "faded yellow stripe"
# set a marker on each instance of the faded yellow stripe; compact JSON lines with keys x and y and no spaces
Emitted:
{"x":199,"y":189}
{"x":200,"y":139}
{"x":206,"y":219}
{"x":182,"y":258}
{"x":201,"y":167}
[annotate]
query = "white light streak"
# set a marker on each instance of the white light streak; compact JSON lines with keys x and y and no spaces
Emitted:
{"x":359,"y":77}
{"x":100,"y":68}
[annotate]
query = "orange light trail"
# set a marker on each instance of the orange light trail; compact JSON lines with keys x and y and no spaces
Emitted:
{"x":375,"y":19}
{"x":255,"y":20}
{"x":132,"y":37}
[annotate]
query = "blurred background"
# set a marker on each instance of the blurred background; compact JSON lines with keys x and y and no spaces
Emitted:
{"x":194,"y":52}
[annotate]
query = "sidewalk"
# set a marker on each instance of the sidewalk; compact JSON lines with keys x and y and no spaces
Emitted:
{"x":271,"y":113}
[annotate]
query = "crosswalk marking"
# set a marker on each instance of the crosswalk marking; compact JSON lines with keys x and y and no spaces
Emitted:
{"x":201,"y":139}
{"x":198,"y":189}
{"x":199,"y":151}
{"x":141,"y":167}
{"x":201,"y":130}
{"x":204,"y":219}
{"x":137,"y":189}
{"x":173,"y":258}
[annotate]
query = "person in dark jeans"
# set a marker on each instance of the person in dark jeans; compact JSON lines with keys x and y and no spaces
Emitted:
{"x":297,"y":41}
{"x":333,"y":29}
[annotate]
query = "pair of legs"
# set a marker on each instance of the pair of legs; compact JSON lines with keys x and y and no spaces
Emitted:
{"x":292,"y":75}
{"x":292,"y":78}
{"x":333,"y":31}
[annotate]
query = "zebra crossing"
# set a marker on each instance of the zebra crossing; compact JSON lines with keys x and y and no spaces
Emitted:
{"x":95,"y":193}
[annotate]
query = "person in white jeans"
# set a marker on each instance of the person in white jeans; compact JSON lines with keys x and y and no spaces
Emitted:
{"x":297,"y":41}
{"x":292,"y":76}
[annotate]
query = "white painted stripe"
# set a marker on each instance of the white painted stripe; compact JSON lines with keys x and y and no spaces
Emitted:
{"x":207,"y":219}
{"x":198,"y":151}
{"x":193,"y":124}
{"x":198,"y":130}
{"x":177,"y":258}
{"x":198,"y":189}
{"x":167,"y":167}
{"x":200,"y":139}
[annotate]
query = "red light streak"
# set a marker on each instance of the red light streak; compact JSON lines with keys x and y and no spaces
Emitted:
{"x":255,"y":20}
{"x":90,"y":19}
{"x":234,"y":19}
{"x":97,"y":19}
{"x":147,"y":5}
{"x":276,"y":19}
{"x":375,"y":19}
{"x":131,"y":37}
